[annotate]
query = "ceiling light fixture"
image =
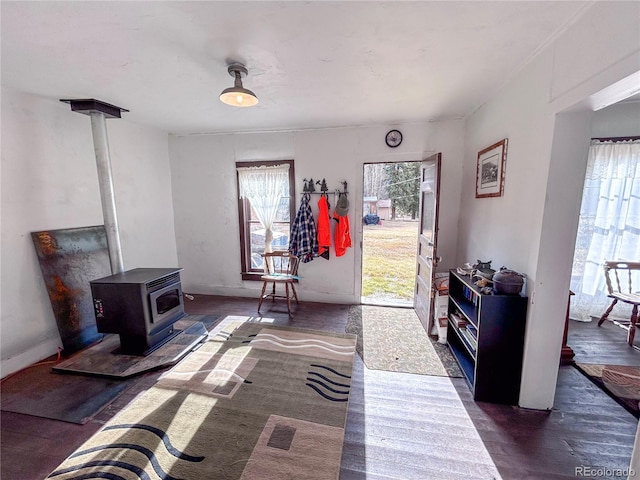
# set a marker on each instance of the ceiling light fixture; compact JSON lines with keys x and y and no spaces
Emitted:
{"x":238,"y":96}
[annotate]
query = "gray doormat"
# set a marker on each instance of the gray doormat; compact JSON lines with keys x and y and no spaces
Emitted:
{"x":393,"y":339}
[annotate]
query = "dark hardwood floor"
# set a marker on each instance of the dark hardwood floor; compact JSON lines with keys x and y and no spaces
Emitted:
{"x":404,"y":426}
{"x":606,"y":344}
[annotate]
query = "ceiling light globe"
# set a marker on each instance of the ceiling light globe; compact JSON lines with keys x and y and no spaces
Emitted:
{"x":238,"y":97}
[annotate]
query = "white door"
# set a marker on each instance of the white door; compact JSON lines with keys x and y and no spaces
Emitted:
{"x":427,"y":239}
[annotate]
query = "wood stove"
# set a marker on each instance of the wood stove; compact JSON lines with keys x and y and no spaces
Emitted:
{"x":141,"y":306}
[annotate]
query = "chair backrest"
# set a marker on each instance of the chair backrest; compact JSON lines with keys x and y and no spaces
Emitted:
{"x":622,"y":276}
{"x":281,"y":263}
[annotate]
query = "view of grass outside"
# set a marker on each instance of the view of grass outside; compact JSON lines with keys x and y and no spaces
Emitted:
{"x":389,"y":262}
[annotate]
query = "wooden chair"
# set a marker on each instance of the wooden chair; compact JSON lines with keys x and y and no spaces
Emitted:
{"x":622,"y":292}
{"x":281,"y":268}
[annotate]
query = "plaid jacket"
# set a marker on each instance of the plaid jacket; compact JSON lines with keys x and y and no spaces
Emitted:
{"x":303,"y":241}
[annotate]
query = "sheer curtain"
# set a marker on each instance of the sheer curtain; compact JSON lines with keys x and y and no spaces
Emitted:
{"x":609,"y":225}
{"x":264,"y":186}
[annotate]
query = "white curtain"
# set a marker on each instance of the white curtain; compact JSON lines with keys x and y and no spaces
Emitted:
{"x":264,"y":186}
{"x":609,"y":225}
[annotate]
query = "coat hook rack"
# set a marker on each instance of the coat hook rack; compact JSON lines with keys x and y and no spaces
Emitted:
{"x":323,"y":185}
{"x":309,"y":187}
{"x":344,"y":189}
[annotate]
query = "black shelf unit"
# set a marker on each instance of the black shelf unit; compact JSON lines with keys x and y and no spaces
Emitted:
{"x":485,"y":333}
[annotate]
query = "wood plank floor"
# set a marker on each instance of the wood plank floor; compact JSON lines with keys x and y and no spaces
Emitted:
{"x":399,"y":425}
{"x":606,"y":344}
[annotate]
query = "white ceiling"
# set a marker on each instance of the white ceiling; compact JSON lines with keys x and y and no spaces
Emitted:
{"x":312,"y":64}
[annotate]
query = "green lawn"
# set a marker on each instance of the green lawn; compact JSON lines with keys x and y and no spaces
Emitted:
{"x":389,"y":260}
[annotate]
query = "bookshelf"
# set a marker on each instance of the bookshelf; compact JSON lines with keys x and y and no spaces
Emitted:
{"x":485,"y":333}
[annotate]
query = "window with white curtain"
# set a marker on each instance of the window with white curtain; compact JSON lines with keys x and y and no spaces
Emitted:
{"x":609,"y":225}
{"x":265,"y":209}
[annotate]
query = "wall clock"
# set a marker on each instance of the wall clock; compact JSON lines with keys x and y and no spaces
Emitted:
{"x":393,"y":138}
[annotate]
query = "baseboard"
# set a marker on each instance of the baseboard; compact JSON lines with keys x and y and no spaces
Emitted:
{"x":304,"y":296}
{"x":33,"y":355}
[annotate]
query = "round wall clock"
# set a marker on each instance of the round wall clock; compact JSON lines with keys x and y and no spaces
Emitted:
{"x":393,"y":138}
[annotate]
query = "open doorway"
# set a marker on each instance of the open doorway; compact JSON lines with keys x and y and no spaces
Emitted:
{"x":390,"y":233}
{"x":607,"y":232}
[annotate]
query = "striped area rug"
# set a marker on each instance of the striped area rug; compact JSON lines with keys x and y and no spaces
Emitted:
{"x":621,"y":382}
{"x":256,"y":401}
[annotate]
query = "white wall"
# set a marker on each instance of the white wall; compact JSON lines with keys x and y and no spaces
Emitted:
{"x":532,"y":227}
{"x":205,"y":198}
{"x":49,"y":181}
{"x":619,"y":120}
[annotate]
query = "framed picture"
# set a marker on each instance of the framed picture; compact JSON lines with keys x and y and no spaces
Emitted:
{"x":490,"y":170}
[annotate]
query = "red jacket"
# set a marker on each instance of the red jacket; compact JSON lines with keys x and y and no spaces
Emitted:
{"x":342,"y":234}
{"x":324,"y":228}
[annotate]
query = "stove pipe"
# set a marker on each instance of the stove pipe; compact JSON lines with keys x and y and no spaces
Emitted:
{"x":99,"y":112}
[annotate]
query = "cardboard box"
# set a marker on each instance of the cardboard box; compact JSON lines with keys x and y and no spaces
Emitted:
{"x":441,"y":306}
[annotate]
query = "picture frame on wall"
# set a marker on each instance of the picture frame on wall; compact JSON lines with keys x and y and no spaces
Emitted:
{"x":490,"y":170}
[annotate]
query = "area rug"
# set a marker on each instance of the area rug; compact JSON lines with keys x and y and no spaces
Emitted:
{"x":620,"y":382}
{"x":394,"y":340}
{"x":255,"y":401}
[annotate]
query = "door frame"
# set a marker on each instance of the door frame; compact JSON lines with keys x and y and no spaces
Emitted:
{"x":360,"y":228}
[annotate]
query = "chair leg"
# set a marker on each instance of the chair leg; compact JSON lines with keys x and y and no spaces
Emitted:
{"x":632,"y":328}
{"x":295,"y":294}
{"x":273,"y":292}
{"x":286,"y":286}
{"x":264,"y":287}
{"x":606,"y":314}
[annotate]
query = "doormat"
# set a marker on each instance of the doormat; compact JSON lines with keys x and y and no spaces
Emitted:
{"x":620,"y":382}
{"x":256,"y":401}
{"x":394,"y":340}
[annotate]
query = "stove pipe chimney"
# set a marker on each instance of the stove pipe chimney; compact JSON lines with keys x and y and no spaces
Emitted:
{"x":99,"y":112}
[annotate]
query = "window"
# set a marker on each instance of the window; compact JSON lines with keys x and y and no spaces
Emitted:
{"x":609,"y":224}
{"x":252,"y":231}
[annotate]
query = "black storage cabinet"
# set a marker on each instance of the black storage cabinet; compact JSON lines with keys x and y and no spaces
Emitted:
{"x":490,"y":350}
